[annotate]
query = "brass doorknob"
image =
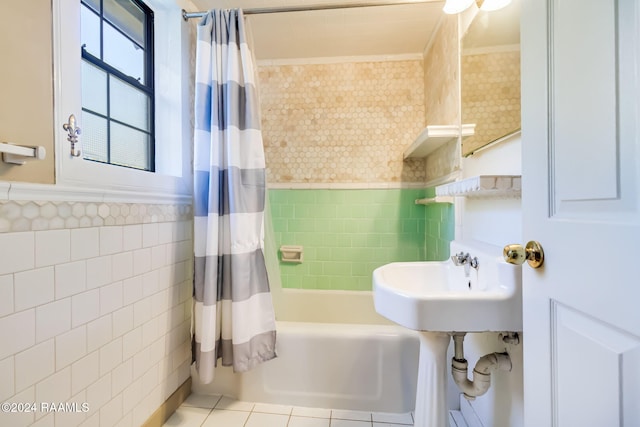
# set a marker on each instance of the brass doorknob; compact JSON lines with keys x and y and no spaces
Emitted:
{"x":532,"y":253}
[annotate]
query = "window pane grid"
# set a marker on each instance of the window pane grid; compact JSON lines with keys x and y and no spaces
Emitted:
{"x":123,"y":34}
{"x":95,"y":137}
{"x":129,"y":105}
{"x":94,"y":88}
{"x":122,"y":54}
{"x":93,"y":4}
{"x":132,"y":147}
{"x":117,"y":73}
{"x":118,"y":48}
{"x":126,"y":44}
{"x":128,"y":17}
{"x":90,"y":31}
{"x":129,"y":147}
{"x":102,"y":116}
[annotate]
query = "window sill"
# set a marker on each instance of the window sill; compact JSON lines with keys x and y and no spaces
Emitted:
{"x":46,"y":192}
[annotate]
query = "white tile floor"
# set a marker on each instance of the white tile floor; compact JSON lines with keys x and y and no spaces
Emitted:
{"x":221,"y":411}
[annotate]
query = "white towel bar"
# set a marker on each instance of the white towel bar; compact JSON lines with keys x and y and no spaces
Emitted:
{"x":16,"y":154}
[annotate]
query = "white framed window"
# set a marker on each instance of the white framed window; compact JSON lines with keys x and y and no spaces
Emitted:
{"x":166,"y":169}
{"x":117,"y":83}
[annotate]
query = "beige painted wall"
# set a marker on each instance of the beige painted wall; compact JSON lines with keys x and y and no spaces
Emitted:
{"x":26,"y":88}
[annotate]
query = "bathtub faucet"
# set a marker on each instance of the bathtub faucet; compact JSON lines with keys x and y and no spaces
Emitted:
{"x":466,"y":260}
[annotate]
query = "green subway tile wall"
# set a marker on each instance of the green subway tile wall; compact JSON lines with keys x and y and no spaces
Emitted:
{"x":439,"y":227}
{"x":346,"y":234}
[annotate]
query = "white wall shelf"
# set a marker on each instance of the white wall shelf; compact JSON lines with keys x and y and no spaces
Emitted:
{"x":434,"y":137}
{"x":483,"y":186}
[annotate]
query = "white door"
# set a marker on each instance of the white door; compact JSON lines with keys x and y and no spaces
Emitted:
{"x":581,"y":201}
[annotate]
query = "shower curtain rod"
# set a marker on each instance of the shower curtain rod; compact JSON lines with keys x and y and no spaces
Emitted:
{"x":256,"y":11}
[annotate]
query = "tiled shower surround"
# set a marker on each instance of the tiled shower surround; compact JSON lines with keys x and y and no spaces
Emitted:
{"x":342,"y":122}
{"x":348,"y":123}
{"x":95,"y":303}
{"x":346,"y":234}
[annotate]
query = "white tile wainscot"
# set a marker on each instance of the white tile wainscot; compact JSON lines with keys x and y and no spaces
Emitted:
{"x":94,"y":307}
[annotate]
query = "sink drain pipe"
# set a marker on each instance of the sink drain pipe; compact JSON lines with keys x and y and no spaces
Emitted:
{"x":482,"y":371}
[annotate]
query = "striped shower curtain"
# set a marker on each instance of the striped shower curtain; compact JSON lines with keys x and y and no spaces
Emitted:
{"x":233,"y":314}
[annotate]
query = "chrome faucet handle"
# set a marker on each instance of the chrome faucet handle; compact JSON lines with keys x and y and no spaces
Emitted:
{"x":473,"y":262}
{"x":459,"y":258}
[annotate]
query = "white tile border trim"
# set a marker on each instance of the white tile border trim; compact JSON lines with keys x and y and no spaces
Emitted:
{"x":59,"y":193}
{"x":344,"y":186}
{"x":40,"y":215}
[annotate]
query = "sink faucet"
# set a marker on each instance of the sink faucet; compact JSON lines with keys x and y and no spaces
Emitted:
{"x":466,"y":260}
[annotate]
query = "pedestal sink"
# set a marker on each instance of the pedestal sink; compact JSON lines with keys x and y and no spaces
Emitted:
{"x":437,"y":298}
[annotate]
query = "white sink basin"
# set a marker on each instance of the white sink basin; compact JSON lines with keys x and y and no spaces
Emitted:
{"x":439,"y":296}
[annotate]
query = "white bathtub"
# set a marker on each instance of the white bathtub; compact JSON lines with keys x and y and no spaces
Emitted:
{"x":334,"y":351}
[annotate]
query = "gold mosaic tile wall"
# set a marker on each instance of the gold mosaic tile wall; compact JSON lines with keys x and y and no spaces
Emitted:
{"x":441,"y":77}
{"x":442,"y":99}
{"x":342,"y":122}
{"x":443,"y":162}
{"x":490,"y":96}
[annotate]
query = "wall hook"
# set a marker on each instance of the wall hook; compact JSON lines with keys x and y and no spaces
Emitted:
{"x":74,"y":132}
